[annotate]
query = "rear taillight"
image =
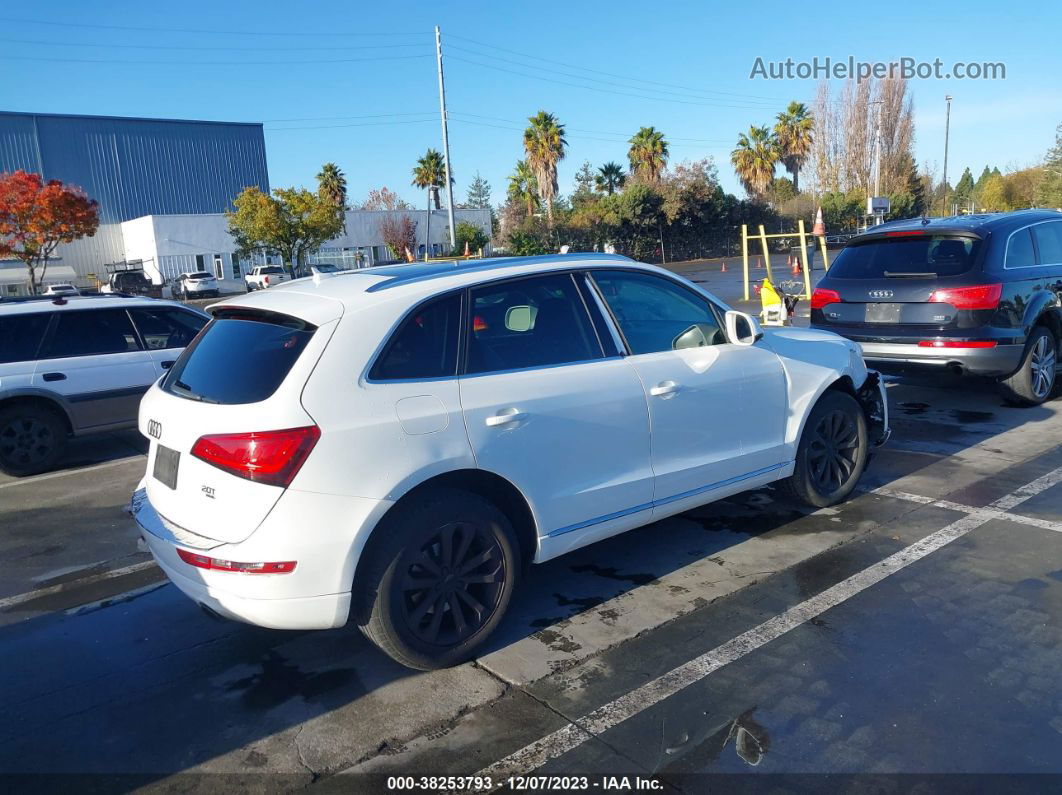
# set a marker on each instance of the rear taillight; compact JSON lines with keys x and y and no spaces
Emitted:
{"x":956,"y":344}
{"x":983,"y":296}
{"x":217,"y":564}
{"x":272,"y":457}
{"x":822,"y":296}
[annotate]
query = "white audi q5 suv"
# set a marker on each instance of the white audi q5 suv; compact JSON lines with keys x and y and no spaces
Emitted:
{"x":393,"y":446}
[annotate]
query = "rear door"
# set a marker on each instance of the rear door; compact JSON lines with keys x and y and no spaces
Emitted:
{"x":166,"y":331}
{"x":93,"y":358}
{"x":1049,"y":245}
{"x":546,"y":409}
{"x":717,"y":410}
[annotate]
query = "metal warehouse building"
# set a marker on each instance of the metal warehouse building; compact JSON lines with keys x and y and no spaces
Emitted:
{"x":133,"y":168}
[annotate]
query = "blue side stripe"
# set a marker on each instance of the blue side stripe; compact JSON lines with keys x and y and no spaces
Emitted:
{"x":666,"y":500}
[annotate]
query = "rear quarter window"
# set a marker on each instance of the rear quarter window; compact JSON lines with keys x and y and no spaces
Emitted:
{"x":1020,"y":250}
{"x":924,"y":255}
{"x":21,"y":335}
{"x":240,"y":357}
{"x":1049,"y":243}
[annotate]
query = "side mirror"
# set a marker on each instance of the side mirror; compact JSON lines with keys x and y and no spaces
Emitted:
{"x":742,"y":329}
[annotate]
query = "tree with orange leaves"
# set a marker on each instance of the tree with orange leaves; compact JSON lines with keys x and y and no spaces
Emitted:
{"x":36,"y":216}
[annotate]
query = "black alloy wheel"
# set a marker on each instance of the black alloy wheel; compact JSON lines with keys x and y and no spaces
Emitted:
{"x":833,"y":451}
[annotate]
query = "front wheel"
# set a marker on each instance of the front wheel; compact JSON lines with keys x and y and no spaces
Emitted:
{"x":1034,"y":380}
{"x":440,"y":580}
{"x":832,"y":453}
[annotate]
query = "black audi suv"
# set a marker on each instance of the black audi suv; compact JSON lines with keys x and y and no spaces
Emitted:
{"x":979,"y":294}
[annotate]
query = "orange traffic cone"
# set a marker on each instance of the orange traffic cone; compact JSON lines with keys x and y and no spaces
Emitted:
{"x":723,"y":269}
{"x":466,"y":248}
{"x":796,"y":266}
{"x":759,"y":262}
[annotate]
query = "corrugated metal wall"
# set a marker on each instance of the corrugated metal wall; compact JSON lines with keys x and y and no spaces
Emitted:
{"x":135,"y":167}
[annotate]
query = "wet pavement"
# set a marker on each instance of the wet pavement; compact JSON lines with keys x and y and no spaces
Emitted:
{"x":948,"y":664}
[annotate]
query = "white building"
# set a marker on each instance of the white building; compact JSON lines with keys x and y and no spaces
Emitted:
{"x":169,"y":245}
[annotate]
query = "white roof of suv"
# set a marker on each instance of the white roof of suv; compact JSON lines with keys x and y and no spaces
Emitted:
{"x":66,"y":303}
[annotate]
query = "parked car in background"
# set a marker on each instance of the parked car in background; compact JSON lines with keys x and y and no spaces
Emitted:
{"x":979,"y":294}
{"x":79,"y":365}
{"x":62,"y":289}
{"x":266,"y":276}
{"x":131,"y":282}
{"x":196,"y":284}
{"x":393,"y":447}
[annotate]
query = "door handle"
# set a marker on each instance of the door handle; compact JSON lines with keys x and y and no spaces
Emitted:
{"x":54,"y":376}
{"x":664,"y":388}
{"x":504,"y":417}
{"x":166,"y":365}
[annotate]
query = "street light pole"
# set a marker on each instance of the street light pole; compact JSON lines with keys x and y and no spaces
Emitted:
{"x":446,"y":138}
{"x":947,"y":129}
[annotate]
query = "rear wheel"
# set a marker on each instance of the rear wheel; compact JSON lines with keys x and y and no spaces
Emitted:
{"x":32,"y":439}
{"x":832,"y":452}
{"x":440,"y":580}
{"x":1034,"y":380}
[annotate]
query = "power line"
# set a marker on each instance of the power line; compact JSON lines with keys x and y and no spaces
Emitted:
{"x":754,"y":104}
{"x":343,"y":126}
{"x":576,"y":137}
{"x":612,"y":74}
{"x":212,"y":48}
{"x":341,"y":118}
{"x":600,"y":90}
{"x":273,"y":62}
{"x":596,"y":132}
{"x":280,"y":34}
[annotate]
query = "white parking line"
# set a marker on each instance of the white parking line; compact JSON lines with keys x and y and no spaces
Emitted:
{"x":65,"y":472}
{"x":17,"y":599}
{"x":989,"y":513}
{"x":571,"y":736}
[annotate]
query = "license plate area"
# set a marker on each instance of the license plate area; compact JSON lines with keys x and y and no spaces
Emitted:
{"x":166,"y":463}
{"x":883,"y":313}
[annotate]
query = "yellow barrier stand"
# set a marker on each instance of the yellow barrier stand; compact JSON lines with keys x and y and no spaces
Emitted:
{"x":745,"y":256}
{"x":804,"y":259}
{"x":766,"y":253}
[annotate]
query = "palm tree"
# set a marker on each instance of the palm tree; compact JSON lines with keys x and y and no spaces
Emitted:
{"x":648,"y":153}
{"x":754,"y":159}
{"x":332,"y":185}
{"x":523,"y":186}
{"x":794,"y":132}
{"x":544,"y":145}
{"x":609,"y":178}
{"x":430,"y":173}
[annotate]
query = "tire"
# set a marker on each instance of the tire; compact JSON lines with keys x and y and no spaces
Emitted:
{"x":832,"y":453}
{"x":1034,"y":380}
{"x":409,"y":565}
{"x":32,"y":439}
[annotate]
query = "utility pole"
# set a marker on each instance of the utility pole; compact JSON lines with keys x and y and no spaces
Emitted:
{"x":877,"y":158}
{"x":446,"y":138}
{"x":947,"y":126}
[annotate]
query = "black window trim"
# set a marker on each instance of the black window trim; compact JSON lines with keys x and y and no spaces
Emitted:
{"x":467,"y":324}
{"x":715,"y":309}
{"x":390,"y":339}
{"x":50,"y":332}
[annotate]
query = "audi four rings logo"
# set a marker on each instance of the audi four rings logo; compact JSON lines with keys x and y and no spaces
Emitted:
{"x":154,"y":429}
{"x":881,"y":293}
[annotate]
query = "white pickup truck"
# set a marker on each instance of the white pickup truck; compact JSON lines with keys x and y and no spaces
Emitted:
{"x":265,"y":276}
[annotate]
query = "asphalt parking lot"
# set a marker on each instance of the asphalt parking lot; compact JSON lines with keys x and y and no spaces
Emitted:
{"x":915,"y":629}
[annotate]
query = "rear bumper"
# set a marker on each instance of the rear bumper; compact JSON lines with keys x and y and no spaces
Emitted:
{"x":316,"y":595}
{"x":889,"y":357}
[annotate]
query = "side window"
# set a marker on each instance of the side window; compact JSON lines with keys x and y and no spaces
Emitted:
{"x":87,"y":332}
{"x":1020,"y":250}
{"x":656,"y":314}
{"x":425,"y":345}
{"x":1049,"y":242}
{"x":533,"y":322}
{"x":167,"y":328}
{"x":20,"y":336}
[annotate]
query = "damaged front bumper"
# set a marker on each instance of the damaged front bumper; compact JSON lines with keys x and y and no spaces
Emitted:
{"x":872,"y":398}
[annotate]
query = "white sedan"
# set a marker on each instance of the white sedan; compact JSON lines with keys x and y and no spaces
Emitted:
{"x":393,"y":446}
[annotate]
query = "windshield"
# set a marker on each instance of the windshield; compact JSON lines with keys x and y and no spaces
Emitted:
{"x":924,"y":256}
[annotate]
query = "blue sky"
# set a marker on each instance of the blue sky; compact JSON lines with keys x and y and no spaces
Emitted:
{"x":254,"y":61}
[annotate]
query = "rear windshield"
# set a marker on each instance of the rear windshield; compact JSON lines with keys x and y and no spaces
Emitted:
{"x":272,"y":270}
{"x":924,"y":256}
{"x":199,"y":275}
{"x":240,"y":357}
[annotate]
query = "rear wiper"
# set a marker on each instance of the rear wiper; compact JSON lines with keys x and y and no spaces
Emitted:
{"x":909,"y":275}
{"x":187,"y":390}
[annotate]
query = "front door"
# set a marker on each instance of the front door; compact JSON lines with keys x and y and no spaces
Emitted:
{"x":545,"y":409}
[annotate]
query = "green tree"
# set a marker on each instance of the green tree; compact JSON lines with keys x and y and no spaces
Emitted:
{"x":964,"y":188}
{"x":1049,"y":191}
{"x":610,"y":178}
{"x":468,"y":233}
{"x":544,"y":147}
{"x":523,"y":187}
{"x":430,"y":174}
{"x":993,"y":194}
{"x":794,"y":133}
{"x":584,"y":184}
{"x":754,"y":160}
{"x":293,"y":222}
{"x":648,"y":154}
{"x":332,"y":184}
{"x":478,"y":193}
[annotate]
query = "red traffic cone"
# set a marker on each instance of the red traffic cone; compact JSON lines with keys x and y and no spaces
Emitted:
{"x":796,"y":266}
{"x":759,"y":262}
